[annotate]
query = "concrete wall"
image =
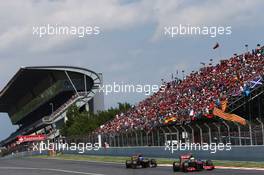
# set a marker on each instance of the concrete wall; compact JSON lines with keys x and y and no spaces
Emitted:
{"x":245,"y":153}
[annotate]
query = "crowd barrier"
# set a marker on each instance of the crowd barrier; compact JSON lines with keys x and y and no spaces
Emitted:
{"x":237,"y":153}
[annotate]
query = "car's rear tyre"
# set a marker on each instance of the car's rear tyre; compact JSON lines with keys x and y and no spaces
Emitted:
{"x":145,"y":164}
{"x":176,"y":166}
{"x":134,"y":166}
{"x":185,"y":167}
{"x":209,"y":163}
{"x":128,"y":164}
{"x":153,"y":163}
{"x":199,"y":167}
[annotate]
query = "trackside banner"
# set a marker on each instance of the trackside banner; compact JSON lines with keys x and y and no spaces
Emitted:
{"x":230,"y":117}
{"x":31,"y":138}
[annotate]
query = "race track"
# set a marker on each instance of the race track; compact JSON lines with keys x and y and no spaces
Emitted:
{"x":32,"y":166}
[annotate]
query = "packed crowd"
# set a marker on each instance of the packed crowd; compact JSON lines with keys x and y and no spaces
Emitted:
{"x":193,"y":97}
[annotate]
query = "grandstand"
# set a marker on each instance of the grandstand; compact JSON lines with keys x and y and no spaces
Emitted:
{"x":185,"y":110}
{"x":37,"y":98}
{"x":220,"y":103}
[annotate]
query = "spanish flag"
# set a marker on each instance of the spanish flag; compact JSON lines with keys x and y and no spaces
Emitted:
{"x":230,"y":117}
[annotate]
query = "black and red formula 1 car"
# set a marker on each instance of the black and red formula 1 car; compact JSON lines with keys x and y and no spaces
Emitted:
{"x":140,"y":161}
{"x":188,"y":163}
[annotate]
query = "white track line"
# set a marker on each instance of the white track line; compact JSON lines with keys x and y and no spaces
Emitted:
{"x":239,"y":168}
{"x":224,"y":167}
{"x":48,"y":169}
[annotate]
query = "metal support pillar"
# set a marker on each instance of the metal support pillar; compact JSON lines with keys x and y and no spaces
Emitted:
{"x":170,"y":134}
{"x":141,"y":138}
{"x":210,"y":133}
{"x":164,"y":134}
{"x":250,"y":133}
{"x":262,"y":129}
{"x":178,"y":133}
{"x":152,"y":135}
{"x":201,"y":133}
{"x":184,"y":131}
{"x":136,"y":138}
{"x":69,"y":78}
{"x":192,"y":132}
{"x":239,"y":133}
{"x":158,"y":138}
{"x":228,"y":131}
{"x":219,"y":132}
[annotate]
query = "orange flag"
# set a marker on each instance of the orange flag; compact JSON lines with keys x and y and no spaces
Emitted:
{"x":230,"y":117}
{"x":223,"y":105}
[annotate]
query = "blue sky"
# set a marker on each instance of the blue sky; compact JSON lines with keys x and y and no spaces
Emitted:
{"x":131,"y":47}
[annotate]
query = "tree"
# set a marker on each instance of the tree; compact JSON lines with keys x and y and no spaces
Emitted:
{"x":82,"y":123}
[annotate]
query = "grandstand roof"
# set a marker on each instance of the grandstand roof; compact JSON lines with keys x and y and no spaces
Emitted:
{"x":25,"y":79}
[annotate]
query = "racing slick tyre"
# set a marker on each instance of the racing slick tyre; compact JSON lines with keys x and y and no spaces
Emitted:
{"x":209,"y":163}
{"x":176,"y":166}
{"x":199,"y":166}
{"x":185,"y":166}
{"x":145,"y":164}
{"x":153,"y":163}
{"x":128,"y":164}
{"x":134,"y":164}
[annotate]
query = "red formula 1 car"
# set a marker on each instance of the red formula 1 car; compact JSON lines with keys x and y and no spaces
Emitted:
{"x":188,"y":163}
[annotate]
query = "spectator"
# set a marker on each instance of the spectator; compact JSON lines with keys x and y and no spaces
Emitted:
{"x":194,"y":97}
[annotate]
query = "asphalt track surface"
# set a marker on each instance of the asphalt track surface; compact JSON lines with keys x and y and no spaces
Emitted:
{"x":34,"y":166}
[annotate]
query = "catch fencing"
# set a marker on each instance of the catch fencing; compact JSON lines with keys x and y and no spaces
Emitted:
{"x":213,"y":132}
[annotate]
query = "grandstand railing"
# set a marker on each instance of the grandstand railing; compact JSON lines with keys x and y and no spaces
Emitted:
{"x":237,"y":103}
{"x":65,"y":106}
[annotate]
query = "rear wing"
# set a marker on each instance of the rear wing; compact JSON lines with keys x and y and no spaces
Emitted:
{"x":185,"y":157}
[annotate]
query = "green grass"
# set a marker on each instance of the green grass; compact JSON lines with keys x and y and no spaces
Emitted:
{"x":114,"y":159}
